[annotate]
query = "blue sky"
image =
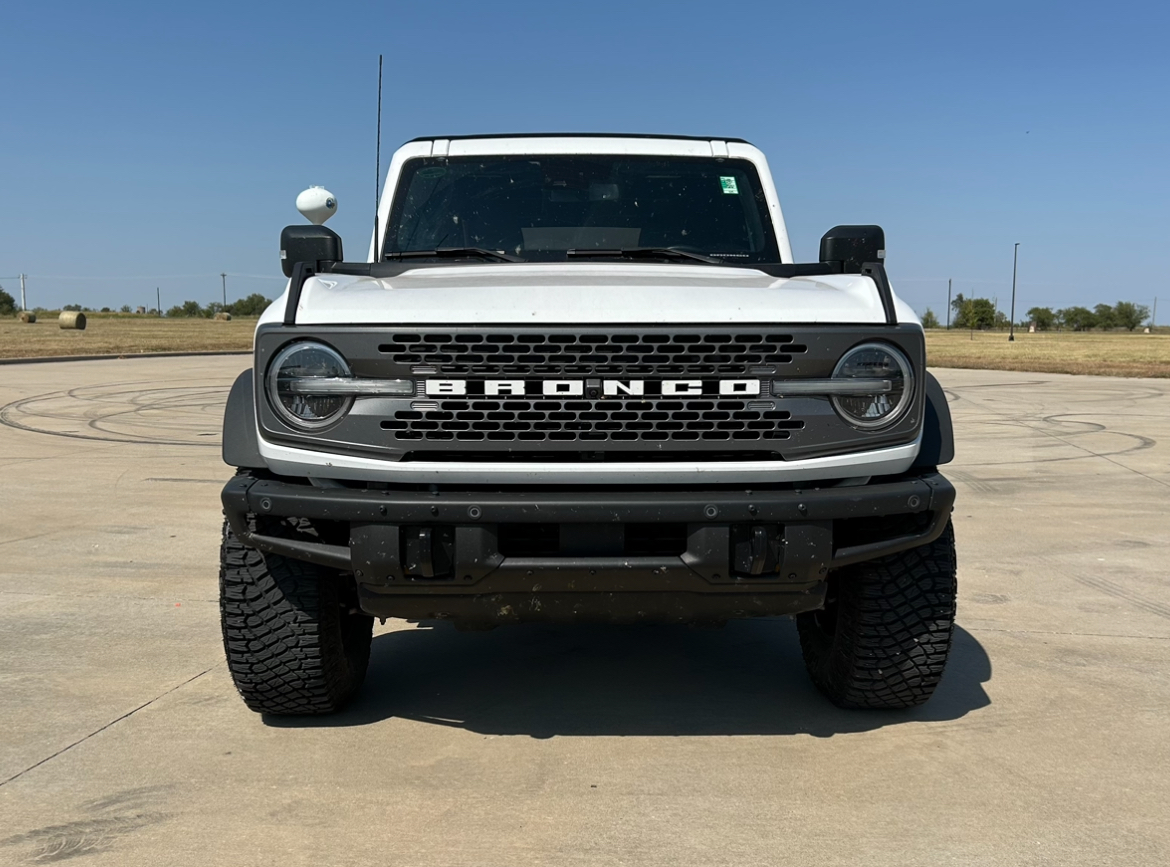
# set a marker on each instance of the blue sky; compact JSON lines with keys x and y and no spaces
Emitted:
{"x":150,"y":144}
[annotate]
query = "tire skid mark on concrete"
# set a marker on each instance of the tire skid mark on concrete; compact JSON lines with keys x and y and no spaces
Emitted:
{"x":83,"y":837}
{"x":1058,"y":564}
{"x":971,"y":481}
{"x":1059,"y":420}
{"x":108,"y":820}
{"x":986,"y":385}
{"x":190,"y":481}
{"x":125,"y":412}
{"x":1036,"y":421}
{"x":1011,"y":630}
{"x":1117,"y":591}
{"x":162,"y":600}
{"x":33,"y":536}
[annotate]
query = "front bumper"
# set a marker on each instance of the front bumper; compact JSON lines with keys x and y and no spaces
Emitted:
{"x":385,"y":537}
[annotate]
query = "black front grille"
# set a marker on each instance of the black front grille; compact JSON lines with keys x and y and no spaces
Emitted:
{"x":634,"y":352}
{"x":593,"y":421}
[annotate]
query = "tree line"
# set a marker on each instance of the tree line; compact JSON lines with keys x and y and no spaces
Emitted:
{"x":253,"y":305}
{"x":980,"y":314}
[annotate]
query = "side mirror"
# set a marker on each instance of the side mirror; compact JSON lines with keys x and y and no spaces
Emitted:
{"x":311,"y":244}
{"x":853,"y":246}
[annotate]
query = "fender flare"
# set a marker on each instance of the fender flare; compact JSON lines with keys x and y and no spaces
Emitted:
{"x":241,"y":448}
{"x":938,"y":434}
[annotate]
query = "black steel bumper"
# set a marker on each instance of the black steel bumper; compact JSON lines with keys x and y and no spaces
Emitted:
{"x":424,"y":554}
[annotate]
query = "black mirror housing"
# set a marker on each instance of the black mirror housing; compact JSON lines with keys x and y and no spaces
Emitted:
{"x":310,"y":244}
{"x":853,"y":246}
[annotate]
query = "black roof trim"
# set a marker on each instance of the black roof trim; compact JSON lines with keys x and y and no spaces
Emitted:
{"x":578,"y":135}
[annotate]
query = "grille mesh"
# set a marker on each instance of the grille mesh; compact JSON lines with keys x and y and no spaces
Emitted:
{"x":634,"y":353}
{"x":592,"y":421}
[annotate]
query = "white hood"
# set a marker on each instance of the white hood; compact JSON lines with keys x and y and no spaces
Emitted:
{"x":586,"y":293}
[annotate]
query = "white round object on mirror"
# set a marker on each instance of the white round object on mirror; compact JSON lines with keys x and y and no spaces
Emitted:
{"x":317,"y":205}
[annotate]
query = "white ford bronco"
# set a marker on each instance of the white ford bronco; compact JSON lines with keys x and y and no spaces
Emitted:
{"x":582,"y":378}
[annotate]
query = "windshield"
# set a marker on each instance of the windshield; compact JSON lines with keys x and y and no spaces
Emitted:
{"x":539,"y":208}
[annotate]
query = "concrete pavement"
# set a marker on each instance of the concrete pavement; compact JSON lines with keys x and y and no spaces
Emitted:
{"x":122,"y":741}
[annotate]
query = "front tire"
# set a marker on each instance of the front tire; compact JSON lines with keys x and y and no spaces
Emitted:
{"x":294,"y":639}
{"x":883,"y":638}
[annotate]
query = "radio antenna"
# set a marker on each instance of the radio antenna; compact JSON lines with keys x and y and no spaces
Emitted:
{"x":378,"y":161}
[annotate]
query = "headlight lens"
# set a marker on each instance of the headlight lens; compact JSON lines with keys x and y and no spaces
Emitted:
{"x":291,"y":366}
{"x":885,"y":383}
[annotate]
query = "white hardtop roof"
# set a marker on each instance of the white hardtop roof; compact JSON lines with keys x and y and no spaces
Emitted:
{"x":580,"y":143}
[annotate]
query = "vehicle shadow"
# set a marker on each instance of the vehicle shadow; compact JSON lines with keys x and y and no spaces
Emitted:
{"x":543,"y":681}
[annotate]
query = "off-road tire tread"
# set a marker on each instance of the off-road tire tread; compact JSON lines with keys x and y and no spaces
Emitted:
{"x":291,"y":646}
{"x":895,"y":623}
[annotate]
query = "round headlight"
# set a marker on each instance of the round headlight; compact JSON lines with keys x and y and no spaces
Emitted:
{"x":885,"y":385}
{"x":290,"y":385}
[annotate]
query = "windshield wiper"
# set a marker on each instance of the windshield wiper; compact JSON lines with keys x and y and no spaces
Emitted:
{"x":454,"y":253}
{"x":643,"y":253}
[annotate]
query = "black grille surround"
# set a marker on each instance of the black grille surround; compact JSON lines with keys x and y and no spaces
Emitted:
{"x":591,"y":426}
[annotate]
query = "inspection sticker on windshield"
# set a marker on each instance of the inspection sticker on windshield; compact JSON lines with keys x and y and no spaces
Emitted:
{"x":729,"y":187}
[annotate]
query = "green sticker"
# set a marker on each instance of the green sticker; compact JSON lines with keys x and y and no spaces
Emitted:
{"x":729,"y":187}
{"x":432,"y":172}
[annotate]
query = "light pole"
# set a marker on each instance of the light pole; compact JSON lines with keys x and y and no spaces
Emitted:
{"x":1012,"y":324}
{"x":948,"y":304}
{"x":223,"y":279}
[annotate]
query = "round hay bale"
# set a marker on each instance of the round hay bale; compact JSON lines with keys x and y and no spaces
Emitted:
{"x":72,"y":320}
{"x":223,"y":316}
{"x":27,"y":316}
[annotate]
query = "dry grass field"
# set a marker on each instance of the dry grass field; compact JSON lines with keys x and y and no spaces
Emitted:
{"x":123,"y":335}
{"x":1108,"y":354}
{"x":1113,"y":354}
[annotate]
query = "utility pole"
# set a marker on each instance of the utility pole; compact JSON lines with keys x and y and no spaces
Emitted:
{"x":24,"y":304}
{"x":1012,"y":324}
{"x":948,"y":304}
{"x":1154,"y":315}
{"x":158,"y":301}
{"x":223,"y":278}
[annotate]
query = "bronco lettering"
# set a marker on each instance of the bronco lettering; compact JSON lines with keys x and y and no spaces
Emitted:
{"x":576,"y":387}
